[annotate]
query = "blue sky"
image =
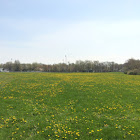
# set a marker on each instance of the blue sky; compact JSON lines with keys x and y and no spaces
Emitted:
{"x":45,"y":31}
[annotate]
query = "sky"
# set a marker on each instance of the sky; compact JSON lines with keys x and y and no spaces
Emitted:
{"x":45,"y":31}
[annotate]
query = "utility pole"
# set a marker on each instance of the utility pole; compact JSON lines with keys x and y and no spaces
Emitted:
{"x":66,"y":59}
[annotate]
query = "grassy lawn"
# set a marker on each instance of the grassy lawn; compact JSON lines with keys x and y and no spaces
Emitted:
{"x":85,"y":106}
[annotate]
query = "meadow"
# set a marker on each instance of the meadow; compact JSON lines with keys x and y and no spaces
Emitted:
{"x":57,"y":106}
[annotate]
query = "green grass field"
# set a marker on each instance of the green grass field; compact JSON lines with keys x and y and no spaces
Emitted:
{"x":84,"y":106}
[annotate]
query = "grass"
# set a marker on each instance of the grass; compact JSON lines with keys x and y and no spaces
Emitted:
{"x":85,"y":106}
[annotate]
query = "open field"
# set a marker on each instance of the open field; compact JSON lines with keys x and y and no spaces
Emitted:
{"x":85,"y":106}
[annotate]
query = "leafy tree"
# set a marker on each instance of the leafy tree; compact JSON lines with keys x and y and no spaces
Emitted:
{"x":17,"y":66}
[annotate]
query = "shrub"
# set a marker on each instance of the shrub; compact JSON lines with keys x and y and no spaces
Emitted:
{"x":125,"y":72}
{"x":134,"y":72}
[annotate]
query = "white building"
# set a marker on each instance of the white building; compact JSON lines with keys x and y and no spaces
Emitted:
{"x":1,"y":69}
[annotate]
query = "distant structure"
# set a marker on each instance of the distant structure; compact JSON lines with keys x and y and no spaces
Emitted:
{"x":66,"y":61}
{"x":1,"y":69}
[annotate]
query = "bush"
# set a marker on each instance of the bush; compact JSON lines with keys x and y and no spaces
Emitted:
{"x":125,"y":72}
{"x":134,"y":72}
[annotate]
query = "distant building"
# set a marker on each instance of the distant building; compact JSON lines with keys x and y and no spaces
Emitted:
{"x":1,"y":69}
{"x":5,"y":70}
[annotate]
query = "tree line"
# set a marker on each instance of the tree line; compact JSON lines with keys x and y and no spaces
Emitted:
{"x":132,"y":67}
{"x":79,"y":66}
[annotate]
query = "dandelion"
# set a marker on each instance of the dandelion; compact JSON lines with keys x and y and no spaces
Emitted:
{"x":17,"y":128}
{"x":132,"y":134}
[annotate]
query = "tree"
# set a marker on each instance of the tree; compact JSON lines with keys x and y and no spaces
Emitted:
{"x":8,"y":66}
{"x":16,"y":66}
{"x":131,"y":64}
